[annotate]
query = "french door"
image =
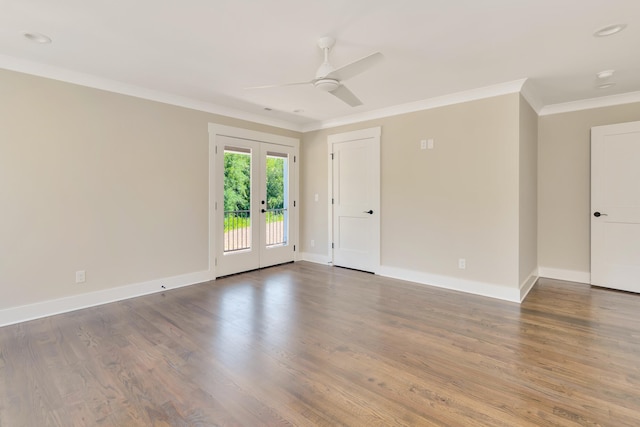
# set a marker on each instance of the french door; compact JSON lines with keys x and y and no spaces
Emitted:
{"x":254,"y":204}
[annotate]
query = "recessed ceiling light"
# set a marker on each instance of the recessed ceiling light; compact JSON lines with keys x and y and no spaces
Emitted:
{"x":37,"y":37}
{"x":609,"y":30}
{"x":606,"y":85}
{"x":268,"y":109}
{"x":605,"y":74}
{"x":298,"y":111}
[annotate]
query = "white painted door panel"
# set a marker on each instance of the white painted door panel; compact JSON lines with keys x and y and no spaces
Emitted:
{"x":615,"y":206}
{"x":276,"y":245}
{"x":356,"y":200}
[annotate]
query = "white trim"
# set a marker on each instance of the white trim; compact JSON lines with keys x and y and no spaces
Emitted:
{"x":491,"y":290}
{"x":213,"y":250}
{"x":567,"y":275}
{"x":586,"y":104}
{"x":329,"y":204}
{"x":426,"y":104}
{"x":315,"y":258}
{"x":12,"y":315}
{"x":83,"y":79}
{"x":528,"y":92}
{"x":235,"y":132}
{"x":374,"y":134}
{"x":527,"y":285}
{"x":88,"y":80}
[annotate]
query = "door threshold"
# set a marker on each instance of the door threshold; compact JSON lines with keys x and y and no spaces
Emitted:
{"x":255,"y":269}
{"x":355,"y":269}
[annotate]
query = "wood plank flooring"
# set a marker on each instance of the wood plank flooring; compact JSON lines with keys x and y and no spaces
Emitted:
{"x":310,"y":345}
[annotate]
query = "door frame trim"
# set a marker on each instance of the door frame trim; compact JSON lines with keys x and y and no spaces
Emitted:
{"x":374,"y":134}
{"x":216,"y":130}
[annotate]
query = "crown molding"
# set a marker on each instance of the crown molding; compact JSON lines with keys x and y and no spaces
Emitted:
{"x":426,"y":104}
{"x":587,"y":104}
{"x":88,"y":80}
{"x":525,"y":86}
{"x":528,"y":91}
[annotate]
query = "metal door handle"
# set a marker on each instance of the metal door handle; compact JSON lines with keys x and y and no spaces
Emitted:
{"x":262,"y":210}
{"x":598,"y":214}
{"x":370,"y":212}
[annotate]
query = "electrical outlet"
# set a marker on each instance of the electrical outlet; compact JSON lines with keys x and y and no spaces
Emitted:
{"x":313,"y":243}
{"x":423,"y":144}
{"x":462,"y":263}
{"x":80,"y":276}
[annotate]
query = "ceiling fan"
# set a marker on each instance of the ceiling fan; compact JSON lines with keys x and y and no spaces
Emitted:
{"x":329,"y":79}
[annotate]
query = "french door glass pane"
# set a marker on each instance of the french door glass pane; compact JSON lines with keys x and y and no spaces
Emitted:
{"x":277,"y":215}
{"x":237,"y":199}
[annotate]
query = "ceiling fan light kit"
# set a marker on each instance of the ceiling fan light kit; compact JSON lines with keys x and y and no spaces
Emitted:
{"x":326,"y":85}
{"x":329,"y":79}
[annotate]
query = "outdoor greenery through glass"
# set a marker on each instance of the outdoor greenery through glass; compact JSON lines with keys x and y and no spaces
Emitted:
{"x":237,"y":197}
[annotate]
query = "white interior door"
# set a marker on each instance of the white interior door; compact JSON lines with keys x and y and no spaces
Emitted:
{"x":615,"y":206}
{"x":355,"y":208}
{"x":255,"y":204}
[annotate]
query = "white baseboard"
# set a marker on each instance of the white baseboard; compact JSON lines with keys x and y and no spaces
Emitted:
{"x":9,"y":316}
{"x":470,"y":286}
{"x":318,"y":259}
{"x":568,"y":275}
{"x":527,"y":285}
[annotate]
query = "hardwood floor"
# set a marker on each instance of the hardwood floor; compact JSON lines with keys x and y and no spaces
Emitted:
{"x":310,"y":345}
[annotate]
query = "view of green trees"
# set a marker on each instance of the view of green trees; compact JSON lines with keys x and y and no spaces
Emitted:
{"x":275,"y":182}
{"x":237,"y":182}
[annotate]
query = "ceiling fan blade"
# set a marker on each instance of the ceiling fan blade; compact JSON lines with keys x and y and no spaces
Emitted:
{"x":280,"y":85}
{"x":346,"y":95}
{"x":353,"y":69}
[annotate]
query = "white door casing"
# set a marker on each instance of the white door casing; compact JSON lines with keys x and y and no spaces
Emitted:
{"x":615,"y":206}
{"x":354,"y":208}
{"x":260,"y":145}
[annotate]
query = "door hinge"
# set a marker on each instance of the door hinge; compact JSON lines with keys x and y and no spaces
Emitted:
{"x":216,"y":149}
{"x":294,"y":159}
{"x":216,"y":262}
{"x":294,"y":248}
{"x":332,"y":200}
{"x":216,"y":207}
{"x":332,"y":246}
{"x":331,"y":156}
{"x":294,"y":203}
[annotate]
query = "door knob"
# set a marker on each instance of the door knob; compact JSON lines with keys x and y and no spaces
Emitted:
{"x":598,"y":214}
{"x":370,"y":212}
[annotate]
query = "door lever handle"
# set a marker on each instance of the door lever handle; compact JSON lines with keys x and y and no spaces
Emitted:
{"x":598,"y":214}
{"x":370,"y":212}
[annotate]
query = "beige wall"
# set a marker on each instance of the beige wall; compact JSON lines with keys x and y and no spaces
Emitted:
{"x":459,"y":200}
{"x":564,"y":184}
{"x":96,"y":181}
{"x":528,"y":194}
{"x":117,"y":186}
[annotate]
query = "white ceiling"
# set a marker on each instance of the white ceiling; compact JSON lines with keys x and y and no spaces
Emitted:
{"x":207,"y":51}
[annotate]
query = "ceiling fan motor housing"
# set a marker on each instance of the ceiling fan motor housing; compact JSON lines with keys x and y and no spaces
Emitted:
{"x":327,"y":85}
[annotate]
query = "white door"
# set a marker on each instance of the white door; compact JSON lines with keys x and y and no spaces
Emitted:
{"x":255,"y":209}
{"x":615,"y":206}
{"x":355,"y":207}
